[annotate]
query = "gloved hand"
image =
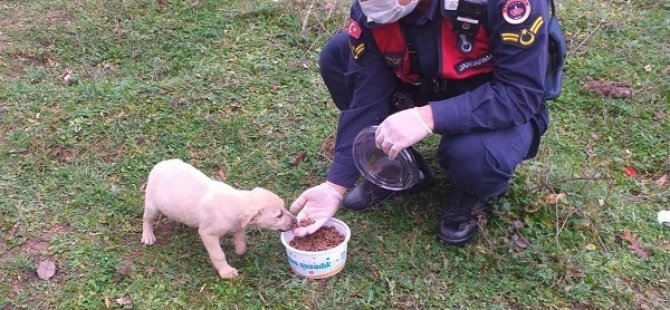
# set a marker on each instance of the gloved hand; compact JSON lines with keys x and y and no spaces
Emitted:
{"x":400,"y":130}
{"x":318,"y":203}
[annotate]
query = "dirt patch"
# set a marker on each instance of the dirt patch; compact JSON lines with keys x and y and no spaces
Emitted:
{"x":34,"y":247}
{"x":59,"y":16}
{"x":608,"y":89}
{"x":165,"y":229}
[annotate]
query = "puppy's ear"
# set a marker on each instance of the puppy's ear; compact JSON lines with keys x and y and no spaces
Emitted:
{"x":250,"y":218}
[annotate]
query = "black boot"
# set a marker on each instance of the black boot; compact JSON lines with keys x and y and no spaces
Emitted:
{"x":460,"y":217}
{"x":366,"y":196}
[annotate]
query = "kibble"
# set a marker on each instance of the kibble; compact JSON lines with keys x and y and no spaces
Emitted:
{"x":327,"y":237}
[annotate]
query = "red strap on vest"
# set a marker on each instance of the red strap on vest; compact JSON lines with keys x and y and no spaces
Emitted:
{"x":392,"y":45}
{"x":455,"y":64}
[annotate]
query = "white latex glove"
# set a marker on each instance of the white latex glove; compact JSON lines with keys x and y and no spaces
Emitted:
{"x":318,"y":203}
{"x":400,"y":130}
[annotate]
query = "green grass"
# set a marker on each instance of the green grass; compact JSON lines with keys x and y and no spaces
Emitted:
{"x":234,"y":86}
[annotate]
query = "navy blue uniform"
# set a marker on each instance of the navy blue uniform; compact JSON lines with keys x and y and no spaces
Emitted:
{"x":489,"y":122}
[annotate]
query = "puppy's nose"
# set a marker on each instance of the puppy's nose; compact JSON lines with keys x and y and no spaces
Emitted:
{"x":294,"y":221}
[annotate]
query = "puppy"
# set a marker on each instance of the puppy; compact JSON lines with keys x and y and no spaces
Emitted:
{"x":186,"y":195}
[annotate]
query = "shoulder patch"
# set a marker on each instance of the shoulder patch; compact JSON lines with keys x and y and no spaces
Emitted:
{"x":516,"y":11}
{"x":357,"y":48}
{"x":353,"y":29}
{"x":526,"y":36}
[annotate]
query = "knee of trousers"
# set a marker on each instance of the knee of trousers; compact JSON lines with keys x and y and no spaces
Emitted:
{"x":473,"y":168}
{"x":335,"y":55}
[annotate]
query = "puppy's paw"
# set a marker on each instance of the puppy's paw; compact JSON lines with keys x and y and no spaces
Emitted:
{"x":148,"y":238}
{"x":228,"y":272}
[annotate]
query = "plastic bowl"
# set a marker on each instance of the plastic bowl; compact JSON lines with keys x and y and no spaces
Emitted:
{"x":399,"y":174}
{"x":321,"y":264}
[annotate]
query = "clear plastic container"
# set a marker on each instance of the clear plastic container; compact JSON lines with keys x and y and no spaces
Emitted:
{"x":399,"y":174}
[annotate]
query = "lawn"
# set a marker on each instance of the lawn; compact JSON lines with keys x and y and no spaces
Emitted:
{"x":94,"y":93}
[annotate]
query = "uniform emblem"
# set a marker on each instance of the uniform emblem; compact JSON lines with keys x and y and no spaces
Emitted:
{"x":516,"y":11}
{"x":357,"y":49}
{"x":525,"y":37}
{"x":353,"y":29}
{"x":393,"y":60}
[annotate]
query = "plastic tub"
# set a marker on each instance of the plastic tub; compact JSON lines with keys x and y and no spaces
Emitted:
{"x":321,"y":264}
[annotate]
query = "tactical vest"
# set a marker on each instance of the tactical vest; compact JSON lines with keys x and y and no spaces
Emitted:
{"x":464,"y":47}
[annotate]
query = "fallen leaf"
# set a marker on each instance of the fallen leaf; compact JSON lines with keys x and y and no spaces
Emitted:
{"x":66,"y":75}
{"x":648,"y":68}
{"x":634,"y":244}
{"x":46,"y":269}
{"x":522,"y":242}
{"x":630,"y":171}
{"x":222,"y":175}
{"x":661,"y":181}
{"x":298,"y":158}
{"x":591,"y":247}
{"x":125,"y":301}
{"x":108,"y":303}
{"x":608,"y":89}
{"x":517,"y":241}
{"x":197,"y":2}
{"x":665,"y":245}
{"x":554,"y":198}
{"x":106,"y":66}
{"x":660,"y":116}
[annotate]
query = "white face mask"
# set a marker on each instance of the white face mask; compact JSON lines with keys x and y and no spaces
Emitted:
{"x":386,"y":11}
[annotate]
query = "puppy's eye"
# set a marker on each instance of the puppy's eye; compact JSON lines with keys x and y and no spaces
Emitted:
{"x":280,"y":215}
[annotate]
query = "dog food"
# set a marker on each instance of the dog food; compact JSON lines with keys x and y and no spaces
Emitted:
{"x":327,"y":237}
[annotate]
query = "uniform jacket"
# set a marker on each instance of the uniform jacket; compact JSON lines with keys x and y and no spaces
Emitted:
{"x":507,"y":94}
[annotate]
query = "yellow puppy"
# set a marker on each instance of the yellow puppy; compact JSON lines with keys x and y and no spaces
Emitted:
{"x":186,"y":195}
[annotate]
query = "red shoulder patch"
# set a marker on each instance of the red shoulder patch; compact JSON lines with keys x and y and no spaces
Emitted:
{"x":353,"y":29}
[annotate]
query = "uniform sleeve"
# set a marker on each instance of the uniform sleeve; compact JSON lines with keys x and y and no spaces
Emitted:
{"x":371,"y":83}
{"x":515,"y":93}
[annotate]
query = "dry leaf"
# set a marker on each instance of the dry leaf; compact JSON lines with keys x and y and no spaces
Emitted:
{"x":125,"y":301}
{"x":634,"y":244}
{"x":108,"y":303}
{"x":554,"y":198}
{"x":46,"y":269}
{"x":660,"y":115}
{"x":521,"y":241}
{"x":665,"y":245}
{"x":106,"y":66}
{"x":298,"y":158}
{"x":66,"y":75}
{"x":222,"y":175}
{"x":661,"y":181}
{"x":197,"y":2}
{"x":608,"y":89}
